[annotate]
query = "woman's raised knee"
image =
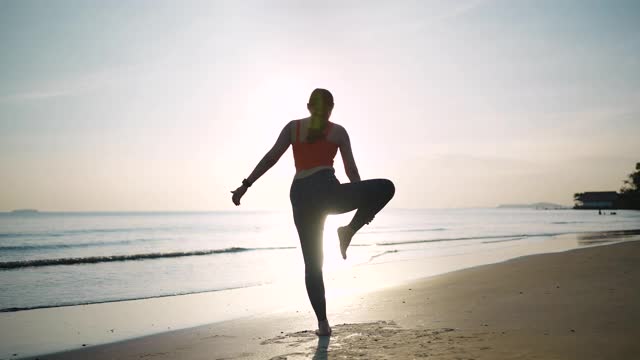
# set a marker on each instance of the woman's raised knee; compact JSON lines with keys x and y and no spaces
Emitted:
{"x":389,"y":187}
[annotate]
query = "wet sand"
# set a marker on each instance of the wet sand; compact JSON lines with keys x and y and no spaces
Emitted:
{"x":578,"y":304}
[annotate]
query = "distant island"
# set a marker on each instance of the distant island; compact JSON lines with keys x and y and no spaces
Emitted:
{"x":539,"y":205}
{"x":24,"y":211}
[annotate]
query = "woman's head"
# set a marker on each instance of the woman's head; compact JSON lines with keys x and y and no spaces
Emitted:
{"x":320,"y":104}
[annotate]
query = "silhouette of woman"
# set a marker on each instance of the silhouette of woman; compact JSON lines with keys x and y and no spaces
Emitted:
{"x":316,"y":192}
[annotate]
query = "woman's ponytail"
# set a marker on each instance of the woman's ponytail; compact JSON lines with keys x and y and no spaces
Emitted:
{"x":317,"y":126}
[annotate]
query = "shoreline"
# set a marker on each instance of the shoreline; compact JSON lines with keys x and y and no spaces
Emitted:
{"x":339,"y":295}
{"x":586,"y":236}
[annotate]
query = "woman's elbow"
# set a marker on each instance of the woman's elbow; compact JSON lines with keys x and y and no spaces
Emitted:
{"x":352,"y":173}
{"x":274,"y":157}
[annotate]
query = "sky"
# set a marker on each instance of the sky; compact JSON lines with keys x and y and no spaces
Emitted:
{"x":167,"y":105}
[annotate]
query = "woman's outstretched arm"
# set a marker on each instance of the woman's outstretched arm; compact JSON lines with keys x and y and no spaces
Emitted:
{"x":268,"y":160}
{"x":350,"y":167}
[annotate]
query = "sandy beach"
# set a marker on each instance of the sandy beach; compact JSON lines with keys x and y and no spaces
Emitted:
{"x":577,"y":304}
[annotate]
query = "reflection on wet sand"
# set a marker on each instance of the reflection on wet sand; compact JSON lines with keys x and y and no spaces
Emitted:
{"x":593,"y":238}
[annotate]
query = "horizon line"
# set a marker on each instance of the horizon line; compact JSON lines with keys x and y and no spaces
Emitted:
{"x":37,"y":211}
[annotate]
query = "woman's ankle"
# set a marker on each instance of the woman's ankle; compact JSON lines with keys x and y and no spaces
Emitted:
{"x":350,"y":228}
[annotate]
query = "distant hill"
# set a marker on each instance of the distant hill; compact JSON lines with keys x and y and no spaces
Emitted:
{"x":539,"y":205}
{"x":24,"y":211}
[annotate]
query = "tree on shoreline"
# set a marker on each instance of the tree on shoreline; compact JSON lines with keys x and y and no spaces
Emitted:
{"x":630,"y":191}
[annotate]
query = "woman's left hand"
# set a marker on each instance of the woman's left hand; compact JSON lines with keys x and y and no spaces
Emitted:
{"x":237,"y":194}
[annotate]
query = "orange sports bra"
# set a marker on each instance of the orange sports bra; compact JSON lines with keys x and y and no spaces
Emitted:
{"x":310,"y":155}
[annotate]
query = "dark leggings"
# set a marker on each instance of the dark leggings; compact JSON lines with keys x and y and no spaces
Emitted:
{"x":318,"y":195}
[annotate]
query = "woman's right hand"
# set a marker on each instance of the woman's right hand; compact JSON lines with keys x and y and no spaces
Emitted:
{"x":237,"y":194}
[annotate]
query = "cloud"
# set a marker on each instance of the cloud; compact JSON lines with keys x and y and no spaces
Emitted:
{"x":71,"y":86}
{"x":34,"y":95}
{"x":460,"y":9}
{"x":483,"y":163}
{"x":411,"y":24}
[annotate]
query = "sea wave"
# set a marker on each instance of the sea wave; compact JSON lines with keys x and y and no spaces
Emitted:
{"x":61,"y":233}
{"x":102,"y":301}
{"x":503,"y":240}
{"x":8,"y":265}
{"x":382,"y":231}
{"x":520,"y":236}
{"x":382,"y":253}
{"x":32,"y":247}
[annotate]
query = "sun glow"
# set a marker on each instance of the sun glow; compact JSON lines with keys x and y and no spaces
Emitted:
{"x":333,"y":260}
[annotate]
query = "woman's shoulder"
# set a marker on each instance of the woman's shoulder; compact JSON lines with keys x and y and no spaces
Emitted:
{"x":295,"y":122}
{"x":292,"y":125}
{"x":338,"y":129}
{"x":337,"y":126}
{"x":337,"y":133}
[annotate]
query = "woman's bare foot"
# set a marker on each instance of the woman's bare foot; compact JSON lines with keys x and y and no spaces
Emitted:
{"x":323,"y":328}
{"x":345,"y":233}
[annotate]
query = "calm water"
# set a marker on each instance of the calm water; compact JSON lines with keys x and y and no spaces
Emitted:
{"x":53,"y":259}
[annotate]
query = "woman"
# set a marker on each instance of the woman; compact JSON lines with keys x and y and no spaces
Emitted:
{"x":316,"y":192}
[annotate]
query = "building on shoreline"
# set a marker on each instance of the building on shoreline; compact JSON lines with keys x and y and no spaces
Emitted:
{"x":596,"y":200}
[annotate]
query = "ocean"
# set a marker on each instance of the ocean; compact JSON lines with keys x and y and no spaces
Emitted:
{"x":52,"y":259}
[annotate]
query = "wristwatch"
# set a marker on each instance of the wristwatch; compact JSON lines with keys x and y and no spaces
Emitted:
{"x":246,"y":183}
